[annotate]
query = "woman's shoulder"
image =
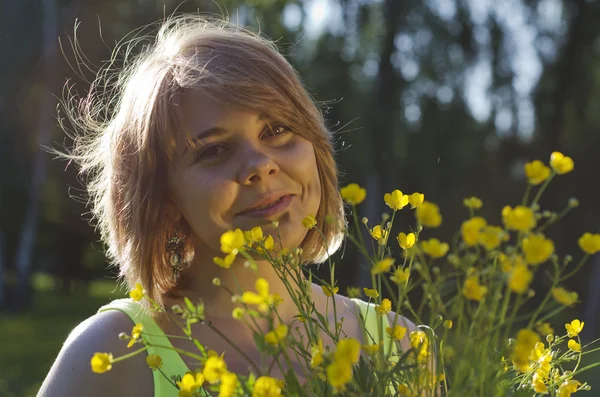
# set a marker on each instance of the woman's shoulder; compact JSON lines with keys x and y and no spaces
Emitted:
{"x":71,"y":373}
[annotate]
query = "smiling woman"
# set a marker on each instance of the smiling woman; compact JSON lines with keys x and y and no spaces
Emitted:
{"x":208,"y":129}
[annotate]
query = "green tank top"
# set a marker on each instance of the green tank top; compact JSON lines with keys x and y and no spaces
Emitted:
{"x":173,"y":364}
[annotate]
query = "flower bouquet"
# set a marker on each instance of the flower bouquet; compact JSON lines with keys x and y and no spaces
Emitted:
{"x":472,"y":338}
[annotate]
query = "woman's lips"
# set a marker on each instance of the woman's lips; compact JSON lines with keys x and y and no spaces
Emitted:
{"x":277,"y":207}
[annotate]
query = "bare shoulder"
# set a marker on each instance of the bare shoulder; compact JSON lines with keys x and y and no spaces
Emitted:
{"x":71,"y":373}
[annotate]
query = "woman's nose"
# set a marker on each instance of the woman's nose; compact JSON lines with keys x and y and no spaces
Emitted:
{"x":256,"y":166}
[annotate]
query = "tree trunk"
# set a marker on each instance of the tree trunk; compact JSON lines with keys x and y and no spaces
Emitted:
{"x":30,"y":224}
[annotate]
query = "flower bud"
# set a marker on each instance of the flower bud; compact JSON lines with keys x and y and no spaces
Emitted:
{"x":216,"y":281}
{"x":123,"y":336}
{"x":385,"y":216}
{"x":530,"y":293}
{"x":435,"y":270}
{"x":365,"y":220}
{"x":419,"y":228}
{"x":535,"y":207}
{"x":546,"y":214}
{"x":568,"y":258}
{"x":275,"y":224}
{"x":573,"y":202}
{"x":448,"y":324}
{"x":549,"y":338}
{"x":439,"y":318}
{"x":388,"y":225}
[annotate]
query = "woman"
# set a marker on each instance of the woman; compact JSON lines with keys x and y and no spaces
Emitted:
{"x":209,"y":129}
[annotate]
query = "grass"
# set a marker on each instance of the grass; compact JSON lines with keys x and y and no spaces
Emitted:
{"x":30,"y":341}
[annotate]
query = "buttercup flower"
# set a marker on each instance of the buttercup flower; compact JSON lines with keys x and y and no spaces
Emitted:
{"x":428,"y":215}
{"x":382,"y":266}
{"x":420,"y":341}
{"x":370,"y":349}
{"x":560,"y":163}
{"x":400,"y":276}
{"x":347,"y":350}
{"x":491,"y":237}
{"x":154,"y":361}
{"x":536,"y":172}
{"x":136,"y":332}
{"x":416,"y":199}
{"x":564,"y":297}
{"x":406,"y":241}
{"x":262,"y":298}
{"x":435,"y":248}
{"x":397,"y":333}
{"x":396,"y":200}
{"x":232,"y":241}
{"x":574,"y":346}
{"x":253,"y":235}
{"x":537,"y":249}
{"x":268,"y":244}
{"x":309,"y":222}
{"x":538,"y":384}
{"x":353,"y":194}
{"x":568,"y":387}
{"x":339,"y":374}
{"x":473,"y":290}
{"x":385,"y":307}
{"x":225,"y":262}
{"x":520,"y":279}
{"x":520,"y":218}
{"x":316,"y":354}
{"x":447,"y":324}
{"x":101,"y":362}
{"x":137,"y":293}
{"x":265,"y":386}
{"x":228,"y":384}
{"x":544,"y":328}
{"x":327,"y":290}
{"x":379,"y":234}
{"x":574,"y":328}
{"x":189,"y":384}
{"x":214,"y":368}
{"x":371,"y":292}
{"x":353,"y":292}
{"x":471,"y":230}
{"x":474,"y":203}
{"x":277,"y":335}
{"x":589,"y":243}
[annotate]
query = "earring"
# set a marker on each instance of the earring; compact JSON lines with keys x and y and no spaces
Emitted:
{"x":175,"y":247}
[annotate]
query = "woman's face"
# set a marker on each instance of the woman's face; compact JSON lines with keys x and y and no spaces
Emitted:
{"x":244,"y":171}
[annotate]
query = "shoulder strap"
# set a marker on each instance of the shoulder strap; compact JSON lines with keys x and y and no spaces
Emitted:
{"x":173,"y":365}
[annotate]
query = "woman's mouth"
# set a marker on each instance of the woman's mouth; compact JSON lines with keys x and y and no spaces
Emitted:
{"x":267,"y":210}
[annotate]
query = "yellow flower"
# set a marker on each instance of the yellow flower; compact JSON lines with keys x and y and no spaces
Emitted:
{"x":228,"y":384}
{"x":353,"y":194}
{"x":520,"y":218}
{"x":491,"y":237}
{"x":347,"y":350}
{"x":338,"y":374}
{"x":353,"y":292}
{"x":396,"y":200}
{"x":154,"y":361}
{"x":277,"y":335}
{"x":428,"y":215}
{"x":526,"y":343}
{"x":237,"y":313}
{"x":136,"y":332}
{"x":574,"y":346}
{"x":398,"y":333}
{"x":262,"y":298}
{"x":406,"y":241}
{"x":316,"y":354}
{"x":536,"y":172}
{"x":589,"y":243}
{"x":190,"y":383}
{"x":448,"y":324}
{"x":382,"y":266}
{"x":137,"y":293}
{"x":560,"y":163}
{"x":574,"y":328}
{"x":370,"y":349}
{"x":327,"y":290}
{"x":225,"y":262}
{"x":253,"y":236}
{"x":101,"y":362}
{"x":265,"y":386}
{"x":537,"y":249}
{"x":538,"y":384}
{"x":269,"y":243}
{"x":473,"y":290}
{"x":567,"y":388}
{"x":419,"y":340}
{"x":520,"y":279}
{"x":471,"y":230}
{"x":309,"y":222}
{"x":474,"y":203}
{"x":416,"y":200}
{"x":385,"y":307}
{"x":232,"y":241}
{"x":379,"y":234}
{"x":371,"y":292}
{"x":214,"y":368}
{"x":544,"y":328}
{"x":400,"y":276}
{"x":564,"y":297}
{"x":435,"y":248}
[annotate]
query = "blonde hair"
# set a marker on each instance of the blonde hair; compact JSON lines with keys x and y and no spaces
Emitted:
{"x":126,"y":135}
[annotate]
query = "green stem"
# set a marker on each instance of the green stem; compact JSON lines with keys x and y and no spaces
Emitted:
{"x":541,"y":191}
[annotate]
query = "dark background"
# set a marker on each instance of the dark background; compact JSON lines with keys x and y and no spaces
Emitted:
{"x":446,"y":97}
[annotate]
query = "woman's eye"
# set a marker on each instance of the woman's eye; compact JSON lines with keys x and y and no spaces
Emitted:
{"x":275,"y":130}
{"x":209,"y":151}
